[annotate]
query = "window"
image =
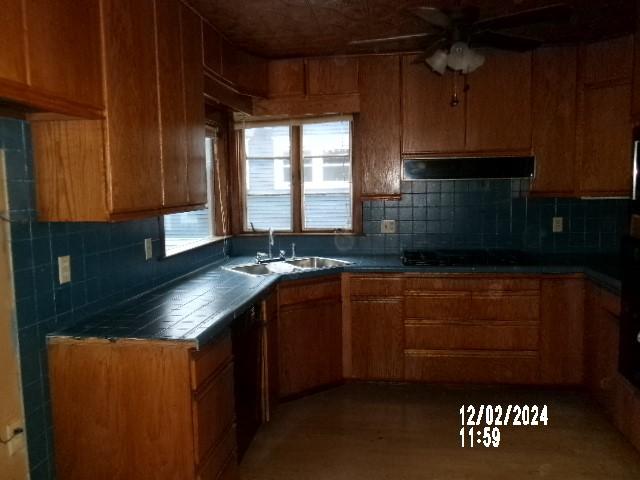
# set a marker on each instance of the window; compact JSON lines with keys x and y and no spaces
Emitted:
{"x":184,"y":231}
{"x":323,"y":158}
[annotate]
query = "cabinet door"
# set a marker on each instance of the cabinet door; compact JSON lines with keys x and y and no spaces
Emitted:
{"x":13,"y":61}
{"x":635,"y":106}
{"x":64,"y":49}
{"x":194,"y":104}
{"x":499,"y":104}
{"x":332,"y":76}
{"x":605,"y":161}
{"x":172,"y":105}
{"x":562,"y":331}
{"x":309,"y":346}
{"x":378,"y":126}
{"x":133,"y":162}
{"x":430,"y":123}
{"x":377,"y":339}
{"x":554,"y":120}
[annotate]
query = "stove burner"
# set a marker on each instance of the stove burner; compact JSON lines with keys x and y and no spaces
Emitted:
{"x":453,"y":258}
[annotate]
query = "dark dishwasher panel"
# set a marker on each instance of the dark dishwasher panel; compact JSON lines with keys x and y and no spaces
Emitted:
{"x":630,"y":319}
{"x":246,"y":334}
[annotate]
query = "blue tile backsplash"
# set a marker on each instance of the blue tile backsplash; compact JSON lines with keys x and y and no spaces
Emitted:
{"x":108,"y":262}
{"x":470,"y":214}
{"x":107,"y":266}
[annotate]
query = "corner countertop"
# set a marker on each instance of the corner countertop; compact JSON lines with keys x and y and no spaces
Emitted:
{"x":198,"y":307}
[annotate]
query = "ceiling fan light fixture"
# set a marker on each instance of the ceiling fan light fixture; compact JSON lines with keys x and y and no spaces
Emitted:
{"x":438,"y":61}
{"x":475,"y":61}
{"x":459,"y":56}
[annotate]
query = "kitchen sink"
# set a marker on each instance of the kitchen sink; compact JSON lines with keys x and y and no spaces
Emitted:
{"x":312,"y":263}
{"x":288,"y":266}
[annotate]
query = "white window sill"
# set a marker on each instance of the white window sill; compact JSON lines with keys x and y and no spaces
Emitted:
{"x":192,"y":246}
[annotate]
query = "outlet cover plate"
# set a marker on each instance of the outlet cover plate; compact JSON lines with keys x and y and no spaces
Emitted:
{"x":148,"y":249}
{"x":64,"y":269}
{"x":558,"y":224}
{"x":388,"y":226}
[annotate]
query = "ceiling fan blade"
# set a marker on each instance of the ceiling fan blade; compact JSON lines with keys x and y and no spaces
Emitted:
{"x":433,"y":16}
{"x":370,"y":41}
{"x":503,"y":41}
{"x":559,"y":13}
{"x":430,"y":50}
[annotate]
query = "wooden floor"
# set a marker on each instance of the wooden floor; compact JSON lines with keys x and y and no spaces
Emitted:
{"x":407,"y":432}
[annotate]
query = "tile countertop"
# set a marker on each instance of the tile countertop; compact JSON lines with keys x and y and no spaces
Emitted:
{"x":197,"y":307}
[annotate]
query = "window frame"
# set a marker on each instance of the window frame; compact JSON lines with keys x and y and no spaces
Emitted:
{"x":297,"y":187}
{"x":211,"y":134}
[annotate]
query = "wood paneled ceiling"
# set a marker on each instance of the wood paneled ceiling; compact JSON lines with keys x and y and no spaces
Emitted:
{"x":289,"y":28}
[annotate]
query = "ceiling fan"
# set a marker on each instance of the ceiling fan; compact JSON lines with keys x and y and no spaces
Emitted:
{"x":454,"y":35}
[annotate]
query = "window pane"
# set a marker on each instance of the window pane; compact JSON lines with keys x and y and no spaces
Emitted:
{"x":327,"y":176}
{"x":268,"y":178}
{"x":185,"y":230}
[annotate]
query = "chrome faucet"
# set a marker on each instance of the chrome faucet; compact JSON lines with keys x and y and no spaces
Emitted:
{"x":266,"y":257}
{"x":271,"y":242}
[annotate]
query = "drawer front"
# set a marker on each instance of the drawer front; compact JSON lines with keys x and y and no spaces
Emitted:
{"x":213,"y":413}
{"x":439,"y":305}
{"x":471,"y":366}
{"x":471,"y":335}
{"x":379,"y":286}
{"x":476,"y":283}
{"x":209,"y":360}
{"x":217,"y":461}
{"x":507,"y":306}
{"x":306,"y":291}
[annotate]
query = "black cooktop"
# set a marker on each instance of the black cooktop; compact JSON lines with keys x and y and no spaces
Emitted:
{"x":454,"y":258}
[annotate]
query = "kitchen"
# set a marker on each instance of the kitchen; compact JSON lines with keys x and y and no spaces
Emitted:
{"x":276,"y":240}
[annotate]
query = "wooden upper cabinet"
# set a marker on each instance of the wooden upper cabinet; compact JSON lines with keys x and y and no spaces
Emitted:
{"x":191,"y":25}
{"x":604,"y":166}
{"x":13,"y":61}
{"x":635,"y":106}
{"x":51,"y":56}
{"x":499,"y":104}
{"x":171,"y":82}
{"x":64,"y":49}
{"x":286,"y":78}
{"x":332,"y":76}
{"x":378,"y":126}
{"x":554,"y":120}
{"x":212,"y":54}
{"x":132,"y":106}
{"x":429,"y":124}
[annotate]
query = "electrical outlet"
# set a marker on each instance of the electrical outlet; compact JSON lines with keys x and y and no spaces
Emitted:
{"x":148,"y":249}
{"x":388,"y":226}
{"x":64,"y":269}
{"x":15,"y":432}
{"x":558,"y":224}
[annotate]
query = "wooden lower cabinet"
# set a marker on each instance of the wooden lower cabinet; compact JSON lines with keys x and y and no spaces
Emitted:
{"x":133,"y":409}
{"x":469,"y":328}
{"x":309,"y":335}
{"x":620,"y":400}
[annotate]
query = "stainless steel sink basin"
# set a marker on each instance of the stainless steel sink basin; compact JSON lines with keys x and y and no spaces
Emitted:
{"x":316,"y":263}
{"x":287,"y":266}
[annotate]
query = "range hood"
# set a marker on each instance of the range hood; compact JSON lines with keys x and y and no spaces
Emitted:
{"x":462,"y":168}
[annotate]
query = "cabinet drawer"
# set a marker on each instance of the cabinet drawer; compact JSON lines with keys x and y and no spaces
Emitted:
{"x":475,"y":283}
{"x":438,"y":305}
{"x":381,"y":286}
{"x":221,"y":455}
{"x":306,"y":291}
{"x":213,"y":413}
{"x":209,"y":360}
{"x":517,"y":306}
{"x":471,"y":366}
{"x":470,"y":335}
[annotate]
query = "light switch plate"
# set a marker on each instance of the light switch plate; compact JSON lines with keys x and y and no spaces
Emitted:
{"x":388,"y":226}
{"x":148,"y":249}
{"x":558,"y":224}
{"x":64,"y":269}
